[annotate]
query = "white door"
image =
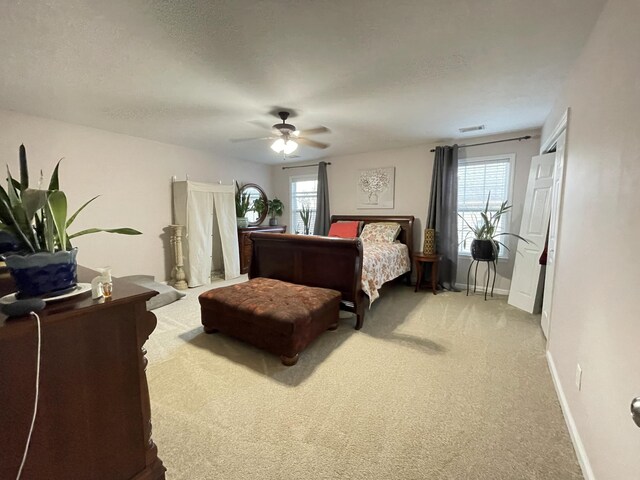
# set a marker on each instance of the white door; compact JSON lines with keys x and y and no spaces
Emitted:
{"x":556,"y":198}
{"x":526,"y":282}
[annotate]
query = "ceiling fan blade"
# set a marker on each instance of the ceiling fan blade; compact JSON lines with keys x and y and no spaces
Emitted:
{"x":311,"y":143}
{"x":314,"y":131}
{"x":250,"y":139}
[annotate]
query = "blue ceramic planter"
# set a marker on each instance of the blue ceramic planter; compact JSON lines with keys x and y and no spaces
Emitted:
{"x":43,"y":273}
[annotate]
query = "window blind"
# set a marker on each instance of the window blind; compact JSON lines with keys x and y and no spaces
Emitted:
{"x":476,"y":179}
{"x":304,"y":192}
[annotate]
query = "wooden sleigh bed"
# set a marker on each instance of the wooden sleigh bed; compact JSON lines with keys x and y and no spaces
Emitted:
{"x":326,"y":262}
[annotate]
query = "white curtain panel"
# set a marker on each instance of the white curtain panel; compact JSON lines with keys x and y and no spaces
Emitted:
{"x":226,"y":214}
{"x":194,"y":207}
{"x":199,"y":236}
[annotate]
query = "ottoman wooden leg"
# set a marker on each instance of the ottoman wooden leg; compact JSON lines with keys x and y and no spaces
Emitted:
{"x":289,"y":361}
{"x":210,"y":330}
{"x":333,"y":327}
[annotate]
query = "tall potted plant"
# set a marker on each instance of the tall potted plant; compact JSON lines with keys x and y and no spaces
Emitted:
{"x":485,"y":246}
{"x":276,"y":209}
{"x":305,"y":215}
{"x":42,"y":259}
{"x":243,"y":206}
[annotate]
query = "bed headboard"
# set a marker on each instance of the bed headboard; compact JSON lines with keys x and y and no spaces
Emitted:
{"x":405,"y":221}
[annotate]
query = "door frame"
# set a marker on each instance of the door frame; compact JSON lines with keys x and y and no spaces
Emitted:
{"x":549,"y":143}
{"x":560,"y":127}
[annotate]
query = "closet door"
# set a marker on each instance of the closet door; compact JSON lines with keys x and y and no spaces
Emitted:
{"x":526,"y":281}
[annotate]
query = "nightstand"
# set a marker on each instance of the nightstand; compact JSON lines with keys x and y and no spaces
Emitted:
{"x":419,"y":258}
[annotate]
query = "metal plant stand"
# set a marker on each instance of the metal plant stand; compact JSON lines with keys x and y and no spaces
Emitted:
{"x":475,"y":276}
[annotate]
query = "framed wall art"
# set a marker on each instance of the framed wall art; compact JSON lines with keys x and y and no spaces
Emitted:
{"x":376,"y":187}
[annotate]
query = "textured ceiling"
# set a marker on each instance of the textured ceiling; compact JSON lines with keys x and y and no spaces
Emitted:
{"x":380,"y":74}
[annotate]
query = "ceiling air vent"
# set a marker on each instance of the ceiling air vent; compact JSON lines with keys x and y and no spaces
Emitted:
{"x":471,"y":129}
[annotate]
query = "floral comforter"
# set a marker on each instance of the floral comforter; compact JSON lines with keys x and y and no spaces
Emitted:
{"x":382,"y":262}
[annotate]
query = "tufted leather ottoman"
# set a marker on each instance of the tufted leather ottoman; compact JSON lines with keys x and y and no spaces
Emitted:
{"x":279,"y":317}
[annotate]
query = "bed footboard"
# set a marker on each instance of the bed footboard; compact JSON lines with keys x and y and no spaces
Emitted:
{"x":325,"y":262}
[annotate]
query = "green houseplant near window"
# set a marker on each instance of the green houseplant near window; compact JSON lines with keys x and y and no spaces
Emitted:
{"x":42,"y":260}
{"x":259,"y":206}
{"x":305,"y":215}
{"x":276,"y":209}
{"x":485,"y":245}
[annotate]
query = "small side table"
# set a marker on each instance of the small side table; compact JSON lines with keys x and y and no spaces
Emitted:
{"x":434,"y":259}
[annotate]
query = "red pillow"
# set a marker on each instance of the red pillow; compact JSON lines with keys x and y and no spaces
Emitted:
{"x":344,"y":230}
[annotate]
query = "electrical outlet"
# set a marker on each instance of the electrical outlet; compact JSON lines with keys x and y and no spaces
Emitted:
{"x":578,"y":377}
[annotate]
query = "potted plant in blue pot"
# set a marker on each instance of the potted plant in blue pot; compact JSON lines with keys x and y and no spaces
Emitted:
{"x":486,"y":246}
{"x":41,"y":259}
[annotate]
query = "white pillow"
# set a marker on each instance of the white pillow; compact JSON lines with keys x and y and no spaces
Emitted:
{"x":380,"y":232}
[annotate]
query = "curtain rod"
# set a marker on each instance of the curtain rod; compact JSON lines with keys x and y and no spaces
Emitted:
{"x":526,"y":137}
{"x":302,"y":166}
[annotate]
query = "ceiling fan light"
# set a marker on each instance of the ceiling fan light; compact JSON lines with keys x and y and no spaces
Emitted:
{"x":278,"y":146}
{"x":290,"y":147}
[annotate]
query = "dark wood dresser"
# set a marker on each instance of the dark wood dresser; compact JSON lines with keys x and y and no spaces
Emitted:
{"x":93,"y":419}
{"x":245,"y":243}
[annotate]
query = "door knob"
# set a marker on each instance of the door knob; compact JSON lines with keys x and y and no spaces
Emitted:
{"x":635,"y":410}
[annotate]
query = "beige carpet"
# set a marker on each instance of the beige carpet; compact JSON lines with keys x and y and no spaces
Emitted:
{"x":433,"y":387}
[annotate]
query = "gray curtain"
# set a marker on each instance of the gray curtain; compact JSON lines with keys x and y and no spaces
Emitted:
{"x":323,"y":215}
{"x":443,"y":212}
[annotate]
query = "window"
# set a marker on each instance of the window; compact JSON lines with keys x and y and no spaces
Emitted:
{"x":304,"y":192}
{"x":476,"y":178}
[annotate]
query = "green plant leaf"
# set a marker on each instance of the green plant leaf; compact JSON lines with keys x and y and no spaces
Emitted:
{"x":4,"y":211}
{"x":473,"y":229}
{"x":500,"y":243}
{"x":24,"y":172}
{"x":22,"y":236}
{"x":17,"y":185}
{"x":73,"y":217}
{"x":515,"y":235}
{"x":24,"y":224}
{"x":39,"y":229}
{"x":33,"y":200}
{"x":58,"y":206}
{"x":276,"y":207}
{"x":54,"y":183}
{"x":121,"y":231}
{"x":486,"y":207}
{"x":11,"y":190}
{"x":49,"y":231}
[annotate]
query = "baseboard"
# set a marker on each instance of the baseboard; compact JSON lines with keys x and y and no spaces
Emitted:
{"x":578,"y":446}
{"x":480,"y":288}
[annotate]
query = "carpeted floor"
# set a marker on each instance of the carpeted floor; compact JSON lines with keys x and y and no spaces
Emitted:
{"x":433,"y":387}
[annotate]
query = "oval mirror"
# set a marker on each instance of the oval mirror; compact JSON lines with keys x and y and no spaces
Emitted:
{"x":255,"y":192}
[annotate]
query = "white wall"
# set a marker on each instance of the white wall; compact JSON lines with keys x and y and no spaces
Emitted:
{"x":414,"y":166}
{"x":523,"y":151}
{"x":133,"y":175}
{"x":595,"y":318}
{"x":413,"y":182}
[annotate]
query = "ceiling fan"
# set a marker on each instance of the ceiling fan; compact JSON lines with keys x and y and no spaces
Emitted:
{"x":287,"y":137}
